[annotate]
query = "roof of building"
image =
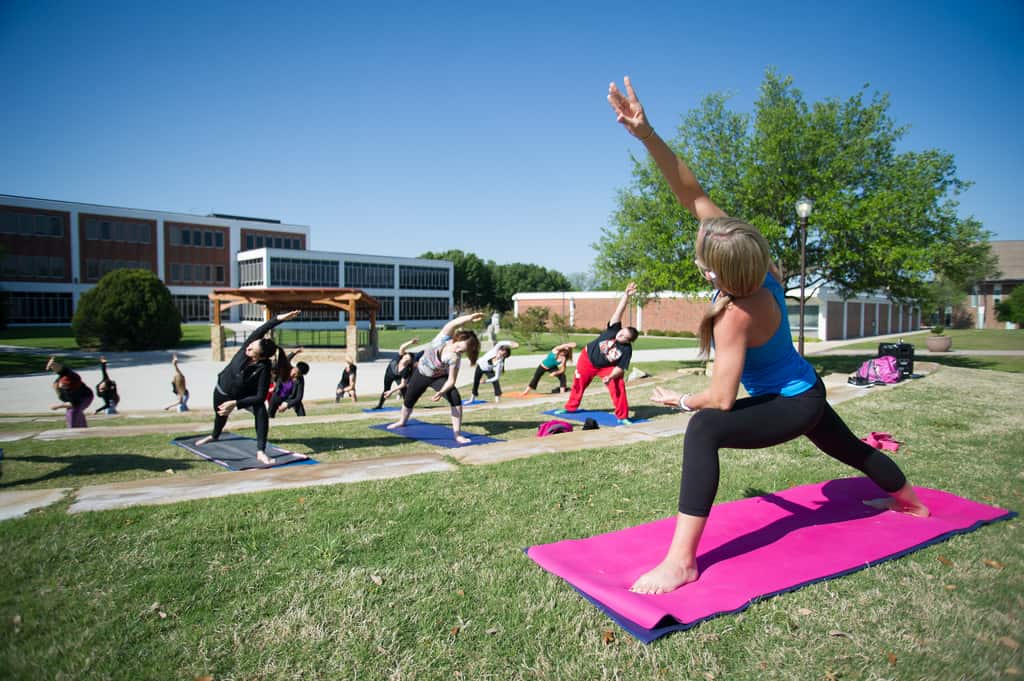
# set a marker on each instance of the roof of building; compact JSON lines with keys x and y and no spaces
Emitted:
{"x":1011,"y":259}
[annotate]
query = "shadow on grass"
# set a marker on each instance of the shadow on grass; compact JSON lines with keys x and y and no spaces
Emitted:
{"x":97,"y":464}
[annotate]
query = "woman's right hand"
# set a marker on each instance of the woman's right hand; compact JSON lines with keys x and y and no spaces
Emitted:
{"x":286,"y":316}
{"x":629,"y":111}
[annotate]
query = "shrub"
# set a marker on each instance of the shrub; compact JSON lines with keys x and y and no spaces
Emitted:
{"x":1011,"y":309}
{"x":128,"y":309}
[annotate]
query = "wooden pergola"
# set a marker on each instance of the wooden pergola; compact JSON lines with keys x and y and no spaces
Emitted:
{"x":278,"y":300}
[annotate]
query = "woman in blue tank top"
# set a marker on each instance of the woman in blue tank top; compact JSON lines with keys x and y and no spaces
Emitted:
{"x":748,"y":327}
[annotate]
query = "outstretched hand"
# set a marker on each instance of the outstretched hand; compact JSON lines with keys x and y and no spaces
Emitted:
{"x":287,"y":316}
{"x":628,"y":110}
{"x":669,"y":398}
{"x":631,"y":288}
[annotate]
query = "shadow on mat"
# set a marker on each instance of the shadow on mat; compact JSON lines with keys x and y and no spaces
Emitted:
{"x":98,"y":464}
{"x":321,"y":445}
{"x":836,"y":509}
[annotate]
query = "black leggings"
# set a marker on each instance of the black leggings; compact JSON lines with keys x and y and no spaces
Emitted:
{"x":418,"y":384}
{"x":480,"y":373}
{"x":276,"y":401}
{"x":541,"y":370}
{"x":766,"y":420}
{"x":389,"y":378}
{"x":259,"y":412}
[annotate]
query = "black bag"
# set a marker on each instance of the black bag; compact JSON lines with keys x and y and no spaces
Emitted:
{"x":904,"y":354}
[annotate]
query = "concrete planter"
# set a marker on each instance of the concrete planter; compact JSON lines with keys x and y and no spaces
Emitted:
{"x":939,"y":343}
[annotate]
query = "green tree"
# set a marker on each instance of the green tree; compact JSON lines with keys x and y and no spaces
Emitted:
{"x":515,"y":277}
{"x":474,"y":280}
{"x":882,"y":220}
{"x":1011,"y":309}
{"x":128,"y":309}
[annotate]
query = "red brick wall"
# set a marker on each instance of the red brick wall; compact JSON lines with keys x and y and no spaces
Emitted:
{"x":26,"y":244}
{"x":197,"y":255}
{"x":852,"y":319}
{"x":883,"y":319}
{"x":664,"y":314}
{"x":870,"y":319}
{"x":113,"y":249}
{"x":835,"y":320}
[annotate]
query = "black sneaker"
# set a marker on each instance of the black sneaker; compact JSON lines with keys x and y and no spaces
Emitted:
{"x":858,"y":382}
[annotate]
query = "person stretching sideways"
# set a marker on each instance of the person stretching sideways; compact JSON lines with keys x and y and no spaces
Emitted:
{"x":107,"y":391}
{"x":554,"y":364}
{"x":398,"y":371}
{"x":748,"y":328}
{"x":243,"y":384}
{"x":179,"y":387}
{"x":438,"y":368}
{"x":74,"y":395}
{"x":491,"y":365}
{"x":606,"y":356}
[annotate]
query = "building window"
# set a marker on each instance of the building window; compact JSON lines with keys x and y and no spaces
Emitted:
{"x":219,"y":269}
{"x":31,"y":224}
{"x":301,"y":272}
{"x":250,"y":242}
{"x":429,"y":278}
{"x":192,"y":308}
{"x":369,"y":275}
{"x":416,"y":308}
{"x":218,"y":239}
{"x":250,"y":272}
{"x":25,"y":307}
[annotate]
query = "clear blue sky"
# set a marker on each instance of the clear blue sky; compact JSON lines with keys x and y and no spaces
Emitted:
{"x":397,"y":128}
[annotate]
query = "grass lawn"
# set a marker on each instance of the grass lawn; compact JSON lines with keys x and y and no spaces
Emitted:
{"x":424,"y":577}
{"x":963,"y":340}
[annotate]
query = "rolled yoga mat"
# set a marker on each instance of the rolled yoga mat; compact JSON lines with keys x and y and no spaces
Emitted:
{"x":755,"y":548}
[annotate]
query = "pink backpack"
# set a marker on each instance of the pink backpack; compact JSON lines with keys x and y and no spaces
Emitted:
{"x":882,"y":369}
{"x":553,"y":428}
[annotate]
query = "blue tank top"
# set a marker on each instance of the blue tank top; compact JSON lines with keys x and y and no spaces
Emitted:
{"x":775,"y":367}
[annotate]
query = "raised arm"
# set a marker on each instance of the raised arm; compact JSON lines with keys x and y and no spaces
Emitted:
{"x":623,"y":301}
{"x":452,"y":326}
{"x":262,"y":330}
{"x":680,"y":178}
{"x":404,"y":347}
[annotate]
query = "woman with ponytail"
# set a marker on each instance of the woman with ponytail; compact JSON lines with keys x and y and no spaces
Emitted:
{"x":748,"y":328}
{"x":244,"y":382}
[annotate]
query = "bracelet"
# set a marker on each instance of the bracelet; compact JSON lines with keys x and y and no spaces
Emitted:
{"x":649,"y":135}
{"x":682,"y":403}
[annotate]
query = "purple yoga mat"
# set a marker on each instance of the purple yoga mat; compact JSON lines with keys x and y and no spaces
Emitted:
{"x":754,"y":548}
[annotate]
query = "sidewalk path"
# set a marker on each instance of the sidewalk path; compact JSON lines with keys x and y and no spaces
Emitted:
{"x":172,"y":490}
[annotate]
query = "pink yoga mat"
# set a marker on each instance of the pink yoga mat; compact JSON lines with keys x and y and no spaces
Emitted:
{"x":754,"y":548}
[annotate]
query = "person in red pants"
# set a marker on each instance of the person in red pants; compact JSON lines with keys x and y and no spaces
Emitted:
{"x":607,"y":356}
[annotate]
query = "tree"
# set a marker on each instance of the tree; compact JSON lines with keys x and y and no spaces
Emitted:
{"x":129,"y":309}
{"x":882,"y":220}
{"x":1011,"y":309}
{"x":474,"y":281}
{"x":515,"y":277}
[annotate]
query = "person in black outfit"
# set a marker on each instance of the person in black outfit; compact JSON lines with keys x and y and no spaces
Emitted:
{"x":74,"y":395}
{"x":398,"y":371}
{"x":289,"y":393}
{"x":244,"y":382}
{"x":107,"y":390}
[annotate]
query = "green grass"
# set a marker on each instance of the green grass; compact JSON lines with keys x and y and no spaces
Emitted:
{"x":963,"y":340}
{"x":424,"y":577}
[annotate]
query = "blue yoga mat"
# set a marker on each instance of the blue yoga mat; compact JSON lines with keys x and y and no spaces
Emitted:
{"x":604,"y":418}
{"x":382,"y":409}
{"x":473,"y":400}
{"x":237,"y":453}
{"x":434,"y":434}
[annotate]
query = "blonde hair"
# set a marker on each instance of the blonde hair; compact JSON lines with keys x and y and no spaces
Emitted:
{"x":735,"y":256}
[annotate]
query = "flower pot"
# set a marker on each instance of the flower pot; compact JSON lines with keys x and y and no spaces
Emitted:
{"x":939,"y":343}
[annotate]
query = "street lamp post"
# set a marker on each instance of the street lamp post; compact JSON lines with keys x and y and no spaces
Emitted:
{"x":803,"y":211}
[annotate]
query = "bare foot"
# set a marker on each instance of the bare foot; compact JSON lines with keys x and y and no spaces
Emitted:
{"x":462,"y":439}
{"x":918,"y":510}
{"x":264,"y":459}
{"x":396,"y":424}
{"x":205,"y":441}
{"x":663,"y":579}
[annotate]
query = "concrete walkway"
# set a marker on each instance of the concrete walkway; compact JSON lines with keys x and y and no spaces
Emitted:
{"x":172,"y":490}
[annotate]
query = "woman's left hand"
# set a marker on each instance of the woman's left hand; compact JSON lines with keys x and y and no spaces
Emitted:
{"x":287,"y":316}
{"x":436,"y":397}
{"x":669,"y":398}
{"x":226,"y":407}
